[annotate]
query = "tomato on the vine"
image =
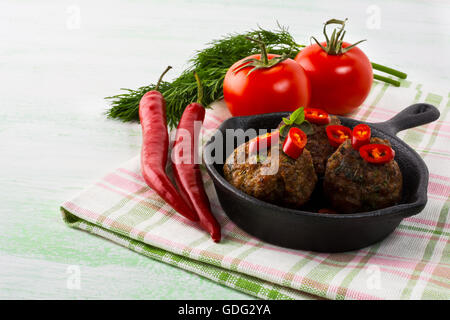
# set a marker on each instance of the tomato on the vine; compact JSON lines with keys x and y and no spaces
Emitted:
{"x":264,"y":83}
{"x":340,"y":73}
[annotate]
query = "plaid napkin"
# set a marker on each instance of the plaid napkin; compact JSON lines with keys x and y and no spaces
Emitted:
{"x":412,"y":263}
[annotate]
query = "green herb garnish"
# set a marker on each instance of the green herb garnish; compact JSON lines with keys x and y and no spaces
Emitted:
{"x":211,"y":64}
{"x":297,"y":118}
{"x":260,"y":158}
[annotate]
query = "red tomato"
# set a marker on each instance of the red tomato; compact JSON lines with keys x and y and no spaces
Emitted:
{"x":339,"y":83}
{"x":283,"y":87}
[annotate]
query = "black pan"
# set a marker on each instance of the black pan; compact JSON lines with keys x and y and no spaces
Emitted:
{"x":308,"y":230}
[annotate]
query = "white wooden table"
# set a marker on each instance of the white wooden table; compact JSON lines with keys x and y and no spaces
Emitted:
{"x":59,"y":59}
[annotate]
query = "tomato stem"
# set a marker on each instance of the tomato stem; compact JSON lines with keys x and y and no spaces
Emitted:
{"x":160,"y":78}
{"x":334,"y":43}
{"x":387,"y":80}
{"x":263,"y":62}
{"x":388,"y":70}
{"x":262,"y":45}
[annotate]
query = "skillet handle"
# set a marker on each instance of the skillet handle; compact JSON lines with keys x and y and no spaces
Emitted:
{"x":410,"y":117}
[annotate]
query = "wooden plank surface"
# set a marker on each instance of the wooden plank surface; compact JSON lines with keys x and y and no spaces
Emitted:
{"x":58,"y":59}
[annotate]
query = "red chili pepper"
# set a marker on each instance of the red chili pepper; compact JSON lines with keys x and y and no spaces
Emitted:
{"x":155,"y":144}
{"x":377,"y":153}
{"x":317,"y":116}
{"x":360,"y":136}
{"x":294,"y":143}
{"x":337,"y":134}
{"x":187,"y":174}
{"x":263,"y":141}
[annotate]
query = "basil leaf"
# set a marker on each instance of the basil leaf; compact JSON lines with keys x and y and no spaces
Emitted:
{"x":296,"y":118}
{"x":295,"y":114}
{"x":300,"y":118}
{"x":306,"y":127}
{"x":287,"y":121}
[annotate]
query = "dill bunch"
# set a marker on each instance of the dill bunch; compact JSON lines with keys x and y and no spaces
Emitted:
{"x":211,"y":64}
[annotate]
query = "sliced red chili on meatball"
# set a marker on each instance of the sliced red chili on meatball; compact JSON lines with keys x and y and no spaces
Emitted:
{"x":294,"y":143}
{"x":317,"y":116}
{"x":263,"y":142}
{"x":377,"y":153}
{"x":360,"y":136}
{"x":337,"y":134}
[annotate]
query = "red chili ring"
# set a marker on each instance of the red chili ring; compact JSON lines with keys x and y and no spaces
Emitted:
{"x":294,"y":143}
{"x":264,"y":140}
{"x":377,"y":153}
{"x":360,"y":136}
{"x":337,"y":134}
{"x":317,"y":116}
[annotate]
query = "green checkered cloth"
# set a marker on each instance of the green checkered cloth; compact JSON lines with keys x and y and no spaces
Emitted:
{"x":412,"y":263}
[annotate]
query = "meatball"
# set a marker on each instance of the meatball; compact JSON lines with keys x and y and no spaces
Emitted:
{"x":290,"y":185}
{"x":352,"y":184}
{"x":318,"y":144}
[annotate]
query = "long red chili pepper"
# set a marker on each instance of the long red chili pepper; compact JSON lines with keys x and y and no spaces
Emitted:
{"x":187,"y":172}
{"x":155,"y":144}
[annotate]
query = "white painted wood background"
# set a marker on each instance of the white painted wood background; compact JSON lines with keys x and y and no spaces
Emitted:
{"x":59,"y":59}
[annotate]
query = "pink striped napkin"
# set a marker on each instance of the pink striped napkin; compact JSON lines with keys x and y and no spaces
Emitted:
{"x":412,"y":263}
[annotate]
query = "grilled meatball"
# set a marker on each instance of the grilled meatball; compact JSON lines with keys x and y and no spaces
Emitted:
{"x":291,"y":185}
{"x":318,"y":144}
{"x":354,"y":185}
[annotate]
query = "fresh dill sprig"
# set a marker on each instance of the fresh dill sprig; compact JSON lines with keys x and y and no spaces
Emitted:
{"x":211,"y":64}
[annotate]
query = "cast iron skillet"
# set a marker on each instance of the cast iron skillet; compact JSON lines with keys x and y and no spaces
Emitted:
{"x":308,"y":230}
